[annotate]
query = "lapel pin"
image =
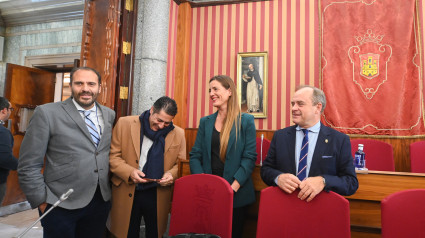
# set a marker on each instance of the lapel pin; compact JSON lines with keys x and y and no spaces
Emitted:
{"x":326,"y":141}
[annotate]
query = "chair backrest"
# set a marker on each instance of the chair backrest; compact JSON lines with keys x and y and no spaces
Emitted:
{"x":417,"y":157}
{"x":403,"y":214}
{"x":263,"y":153}
{"x":285,"y":215}
{"x":379,"y":154}
{"x":202,"y":203}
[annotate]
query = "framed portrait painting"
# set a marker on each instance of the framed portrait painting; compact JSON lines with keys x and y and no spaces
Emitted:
{"x":252,"y":83}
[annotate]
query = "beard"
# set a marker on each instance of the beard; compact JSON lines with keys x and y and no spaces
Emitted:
{"x":85,"y":103}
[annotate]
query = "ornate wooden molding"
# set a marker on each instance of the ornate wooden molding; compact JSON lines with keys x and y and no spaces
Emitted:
{"x":181,"y":79}
{"x":87,"y":33}
{"x":100,"y":44}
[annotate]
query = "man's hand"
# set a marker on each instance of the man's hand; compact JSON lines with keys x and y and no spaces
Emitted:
{"x":288,"y":182}
{"x":137,"y":176}
{"x":42,"y":207}
{"x":167,"y":179}
{"x":310,"y":187}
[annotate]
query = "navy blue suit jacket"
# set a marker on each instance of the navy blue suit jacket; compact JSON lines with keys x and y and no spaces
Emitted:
{"x":7,"y":160}
{"x":331,"y":159}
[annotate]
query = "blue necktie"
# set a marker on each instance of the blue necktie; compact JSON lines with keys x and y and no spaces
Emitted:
{"x":302,"y":164}
{"x":92,"y":128}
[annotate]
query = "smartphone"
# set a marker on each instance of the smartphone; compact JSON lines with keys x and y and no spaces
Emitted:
{"x":151,"y":179}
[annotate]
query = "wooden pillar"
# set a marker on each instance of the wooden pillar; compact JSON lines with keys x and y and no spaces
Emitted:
{"x":184,"y":23}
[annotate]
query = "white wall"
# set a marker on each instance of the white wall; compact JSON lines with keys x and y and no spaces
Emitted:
{"x":53,"y":38}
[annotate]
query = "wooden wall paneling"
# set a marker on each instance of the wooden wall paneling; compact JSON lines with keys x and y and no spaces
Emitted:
{"x":184,"y":23}
{"x":190,"y":136}
{"x":126,"y":59}
{"x":100,"y":44}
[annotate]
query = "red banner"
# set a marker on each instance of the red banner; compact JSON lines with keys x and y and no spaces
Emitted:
{"x":371,"y":67}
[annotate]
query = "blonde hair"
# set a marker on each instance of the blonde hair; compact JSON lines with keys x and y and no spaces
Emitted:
{"x":233,"y":116}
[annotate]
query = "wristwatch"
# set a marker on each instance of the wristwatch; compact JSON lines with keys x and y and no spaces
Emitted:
{"x":324,"y":181}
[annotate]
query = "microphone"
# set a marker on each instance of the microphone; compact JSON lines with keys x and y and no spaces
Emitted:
{"x":62,"y":198}
{"x":261,"y":150}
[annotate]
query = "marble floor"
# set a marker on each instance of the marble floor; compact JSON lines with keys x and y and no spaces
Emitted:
{"x":11,"y":226}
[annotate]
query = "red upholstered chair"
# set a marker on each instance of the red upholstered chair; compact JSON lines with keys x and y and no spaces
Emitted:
{"x":285,"y":215}
{"x":402,"y":214}
{"x":202,"y":203}
{"x":379,"y":155}
{"x":417,"y":157}
{"x":266,"y":146}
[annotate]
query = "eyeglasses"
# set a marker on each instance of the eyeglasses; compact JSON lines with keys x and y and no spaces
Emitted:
{"x":11,"y":109}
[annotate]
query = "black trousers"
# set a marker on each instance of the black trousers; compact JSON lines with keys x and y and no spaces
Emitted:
{"x":144,"y":205}
{"x":238,"y":221}
{"x":86,"y":222}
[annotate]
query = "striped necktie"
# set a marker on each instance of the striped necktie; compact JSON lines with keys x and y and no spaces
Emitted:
{"x":92,"y":128}
{"x":302,"y":164}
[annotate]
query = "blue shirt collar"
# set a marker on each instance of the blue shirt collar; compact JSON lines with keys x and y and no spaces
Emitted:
{"x":315,"y":128}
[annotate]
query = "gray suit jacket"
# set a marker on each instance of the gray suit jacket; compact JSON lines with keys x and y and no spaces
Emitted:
{"x":58,"y":132}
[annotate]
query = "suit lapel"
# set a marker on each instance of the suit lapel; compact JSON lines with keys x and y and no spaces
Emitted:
{"x":135,"y":128}
{"x":168,"y":140}
{"x":209,"y":126}
{"x":319,"y":150}
{"x":73,"y":113}
{"x":290,"y":139}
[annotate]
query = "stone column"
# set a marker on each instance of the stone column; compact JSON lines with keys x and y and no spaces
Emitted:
{"x":150,"y":64}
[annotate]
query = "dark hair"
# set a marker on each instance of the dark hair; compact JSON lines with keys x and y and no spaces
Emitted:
{"x":4,"y":103}
{"x":84,"y":68}
{"x":167,"y":104}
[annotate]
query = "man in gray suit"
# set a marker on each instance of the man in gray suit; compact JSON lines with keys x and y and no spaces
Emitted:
{"x":74,"y":136}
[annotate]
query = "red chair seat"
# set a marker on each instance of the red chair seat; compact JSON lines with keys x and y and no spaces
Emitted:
{"x":378,"y":154}
{"x":403,"y":214}
{"x":285,"y":215}
{"x":417,"y":157}
{"x":202,"y":203}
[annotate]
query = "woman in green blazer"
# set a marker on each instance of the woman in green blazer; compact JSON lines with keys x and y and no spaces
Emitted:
{"x":225,"y":146}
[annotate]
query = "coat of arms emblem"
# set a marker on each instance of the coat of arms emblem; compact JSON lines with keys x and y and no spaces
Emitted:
{"x":369,"y":65}
{"x":370,"y":61}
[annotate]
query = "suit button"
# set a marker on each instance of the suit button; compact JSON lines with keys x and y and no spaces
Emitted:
{"x":96,"y":170}
{"x":130,"y":194}
{"x":97,"y":153}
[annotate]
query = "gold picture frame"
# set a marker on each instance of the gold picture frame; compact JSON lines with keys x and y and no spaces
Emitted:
{"x":252,"y":83}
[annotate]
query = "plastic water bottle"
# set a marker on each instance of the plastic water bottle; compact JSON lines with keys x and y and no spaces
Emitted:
{"x":359,"y":158}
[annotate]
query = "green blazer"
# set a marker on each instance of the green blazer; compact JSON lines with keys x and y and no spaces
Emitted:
{"x":240,"y":157}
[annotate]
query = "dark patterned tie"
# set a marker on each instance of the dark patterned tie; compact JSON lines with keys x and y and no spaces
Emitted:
{"x":92,"y":128}
{"x":302,"y":164}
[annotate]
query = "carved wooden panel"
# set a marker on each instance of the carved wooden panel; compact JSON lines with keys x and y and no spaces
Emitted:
{"x":100,"y":44}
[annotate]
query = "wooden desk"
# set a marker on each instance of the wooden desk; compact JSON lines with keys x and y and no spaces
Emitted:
{"x":365,"y":204}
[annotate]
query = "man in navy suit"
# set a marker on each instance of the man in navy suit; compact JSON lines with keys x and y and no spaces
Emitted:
{"x":329,"y":164}
{"x":7,"y":160}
